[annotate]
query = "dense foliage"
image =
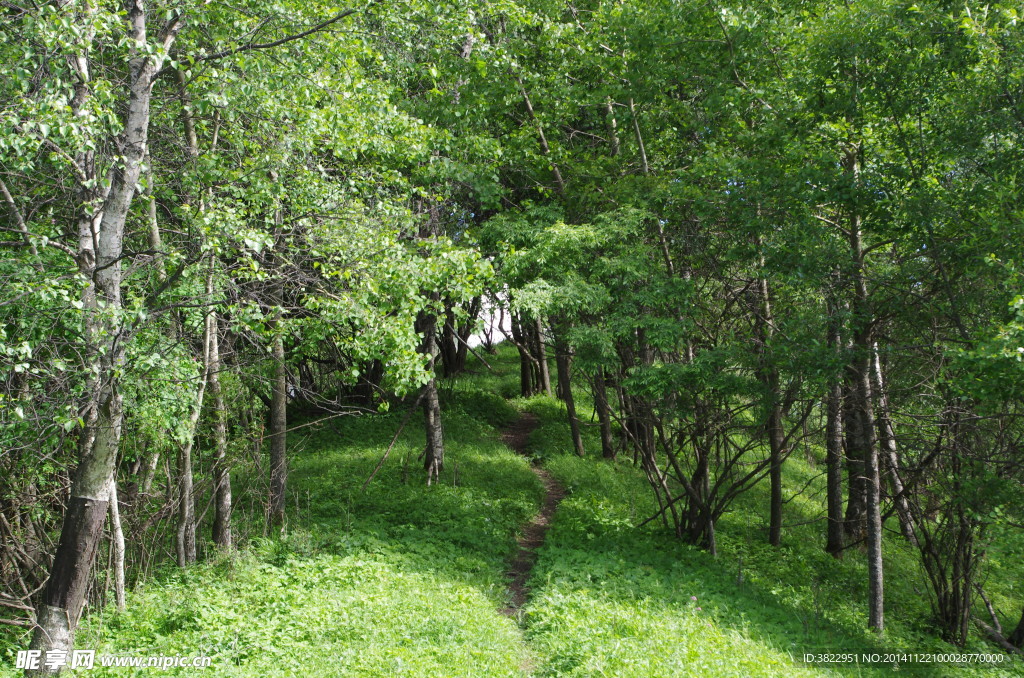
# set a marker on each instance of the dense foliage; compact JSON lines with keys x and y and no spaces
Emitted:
{"x":740,"y":230}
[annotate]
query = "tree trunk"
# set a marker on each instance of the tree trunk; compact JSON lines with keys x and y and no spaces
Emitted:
{"x":526,"y":358}
{"x":834,"y":449}
{"x":117,"y":542}
{"x":542,"y":358}
{"x":186,"y":535}
{"x":776,"y":437}
{"x":563,"y":361}
{"x":433,"y":455}
{"x":604,"y":415}
{"x":278,"y":434}
{"x":861,"y":374}
{"x":769,"y":376}
{"x":544,"y":148}
{"x":448,"y":345}
{"x":1016,"y":637}
{"x":834,"y":470}
{"x":185,"y":538}
{"x":641,"y":148}
{"x":855,"y":525}
{"x":613,"y":128}
{"x":876,"y":602}
{"x":221,"y":469}
{"x":88,"y":504}
{"x":887,"y":444}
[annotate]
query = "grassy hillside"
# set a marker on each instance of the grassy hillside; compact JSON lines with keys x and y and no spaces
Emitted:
{"x":402,"y":579}
{"x":610,"y":599}
{"x":397,"y":580}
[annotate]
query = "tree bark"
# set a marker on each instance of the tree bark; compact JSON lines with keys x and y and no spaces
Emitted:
{"x":774,"y":424}
{"x":433,"y":455}
{"x":613,"y":129}
{"x":278,"y":434}
{"x":563,"y":361}
{"x":82,"y":528}
{"x":876,"y":603}
{"x":887,"y":443}
{"x":542,"y":357}
{"x":221,"y":469}
{"x":854,"y":520}
{"x":834,"y":451}
{"x":526,"y":358}
{"x":186,"y":534}
{"x":604,"y":415}
{"x":863,"y":347}
{"x":117,"y":542}
{"x":1016,"y":637}
{"x":641,"y":148}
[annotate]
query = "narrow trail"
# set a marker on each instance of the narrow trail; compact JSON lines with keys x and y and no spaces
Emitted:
{"x":516,"y":437}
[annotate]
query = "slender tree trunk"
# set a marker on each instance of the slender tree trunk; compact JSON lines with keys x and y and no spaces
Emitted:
{"x":544,"y":147}
{"x":562,"y":361}
{"x":876,"y":619}
{"x":185,"y":538}
{"x":117,"y":542}
{"x":890,"y":456}
{"x":186,"y":535}
{"x":855,"y":517}
{"x":465,"y":331}
{"x":641,"y":148}
{"x":542,"y":357}
{"x":604,"y":415}
{"x":278,"y":434}
{"x":155,"y":241}
{"x":776,"y":437}
{"x":613,"y":129}
{"x":861,"y":374}
{"x":221,"y":468}
{"x":526,"y":358}
{"x":768,"y":374}
{"x":149,"y":472}
{"x":775,"y":426}
{"x":433,"y":455}
{"x":834,"y":451}
{"x":448,"y":345}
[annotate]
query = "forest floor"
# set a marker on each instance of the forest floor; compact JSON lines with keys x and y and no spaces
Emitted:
{"x":402,"y":579}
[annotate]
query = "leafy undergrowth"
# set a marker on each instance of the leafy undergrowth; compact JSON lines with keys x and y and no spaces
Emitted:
{"x":398,"y":580}
{"x":610,"y":599}
{"x":407,"y":580}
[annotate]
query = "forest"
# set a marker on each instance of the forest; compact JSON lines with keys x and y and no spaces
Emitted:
{"x":512,"y":337}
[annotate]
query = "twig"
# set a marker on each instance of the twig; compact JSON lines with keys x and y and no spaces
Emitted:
{"x":267,"y":45}
{"x":395,"y":439}
{"x":18,"y":622}
{"x":991,"y":610}
{"x":478,"y":356}
{"x":997,"y":637}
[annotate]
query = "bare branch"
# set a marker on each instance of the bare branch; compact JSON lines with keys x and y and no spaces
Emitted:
{"x":276,"y":43}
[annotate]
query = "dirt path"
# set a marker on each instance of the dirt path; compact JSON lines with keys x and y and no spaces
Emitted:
{"x":517,"y":436}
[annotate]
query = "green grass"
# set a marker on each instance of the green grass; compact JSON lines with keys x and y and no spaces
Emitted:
{"x":398,"y":580}
{"x":407,"y":580}
{"x":610,"y":599}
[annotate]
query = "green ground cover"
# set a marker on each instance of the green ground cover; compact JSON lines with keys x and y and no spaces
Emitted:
{"x":402,"y":579}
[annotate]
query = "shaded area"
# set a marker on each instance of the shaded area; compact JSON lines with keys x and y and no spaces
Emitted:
{"x":400,"y":579}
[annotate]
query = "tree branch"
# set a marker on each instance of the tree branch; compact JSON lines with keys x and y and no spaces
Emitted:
{"x":276,"y":43}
